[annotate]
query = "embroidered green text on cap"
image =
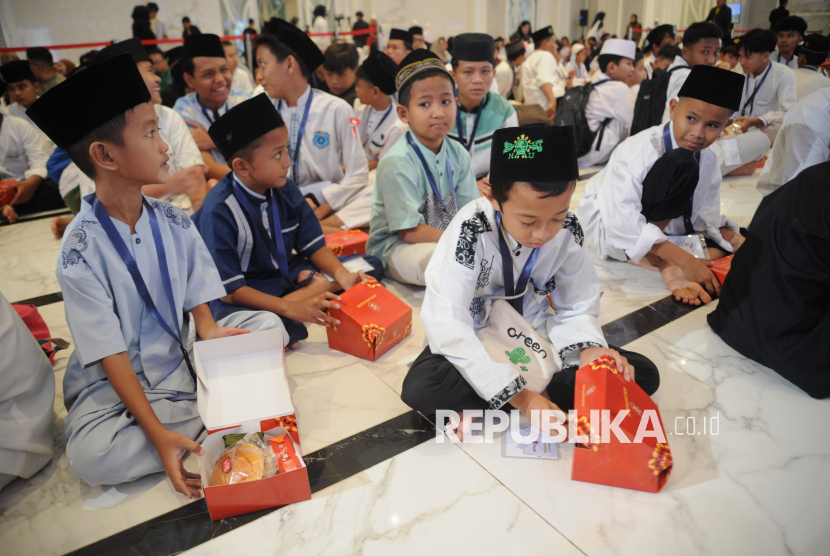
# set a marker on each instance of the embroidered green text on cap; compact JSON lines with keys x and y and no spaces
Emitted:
{"x":522,"y":147}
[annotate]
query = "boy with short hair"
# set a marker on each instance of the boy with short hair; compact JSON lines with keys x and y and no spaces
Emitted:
{"x":659,"y":37}
{"x":424,"y":178}
{"x":379,"y":127}
{"x":610,"y":108}
{"x":399,"y":45}
{"x":160,"y":66}
{"x":768,"y":93}
{"x":320,"y":131}
{"x":258,"y":267}
{"x":790,"y":32}
{"x":130,"y":267}
{"x":812,"y":53}
{"x":23,"y":89}
{"x":701,"y":43}
{"x":665,"y":182}
{"x":43,"y":66}
{"x":729,"y":58}
{"x":241,"y":79}
{"x":665,"y":57}
{"x":340,"y":67}
{"x":520,"y":241}
{"x":480,"y":112}
{"x":207,"y":72}
{"x":418,"y":41}
{"x":542,"y":84}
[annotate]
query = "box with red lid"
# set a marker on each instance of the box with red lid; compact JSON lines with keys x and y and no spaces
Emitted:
{"x":242,"y":386}
{"x":372,"y":321}
{"x":349,"y":242}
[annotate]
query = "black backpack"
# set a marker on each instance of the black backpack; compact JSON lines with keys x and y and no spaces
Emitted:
{"x":651,"y":100}
{"x":570,"y":110}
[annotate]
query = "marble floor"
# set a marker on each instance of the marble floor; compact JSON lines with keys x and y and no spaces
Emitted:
{"x":757,"y":487}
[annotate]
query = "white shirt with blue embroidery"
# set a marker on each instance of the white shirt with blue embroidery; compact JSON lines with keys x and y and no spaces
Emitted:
{"x":191,"y":109}
{"x":107,"y":316}
{"x":329,"y":141}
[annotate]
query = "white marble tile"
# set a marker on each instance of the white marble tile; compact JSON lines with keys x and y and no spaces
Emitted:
{"x":333,"y":405}
{"x":431,"y":499}
{"x":394,"y":364}
{"x":759,"y":486}
{"x":25,"y":237}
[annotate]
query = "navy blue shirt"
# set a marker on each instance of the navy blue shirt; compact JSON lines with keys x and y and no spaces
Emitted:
{"x":241,"y":255}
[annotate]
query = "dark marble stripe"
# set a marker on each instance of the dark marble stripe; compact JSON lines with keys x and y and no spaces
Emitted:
{"x":41,"y":300}
{"x":190,"y":525}
{"x":644,"y":321}
{"x":37,"y":216}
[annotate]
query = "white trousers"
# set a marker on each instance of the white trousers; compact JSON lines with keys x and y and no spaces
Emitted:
{"x":408,"y":262}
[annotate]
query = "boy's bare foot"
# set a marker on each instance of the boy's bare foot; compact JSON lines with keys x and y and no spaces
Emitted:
{"x":746,"y":170}
{"x":292,"y":346}
{"x":682,"y":288}
{"x":59,"y":224}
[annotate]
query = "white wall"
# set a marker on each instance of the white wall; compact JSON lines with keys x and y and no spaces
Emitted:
{"x":85,"y":21}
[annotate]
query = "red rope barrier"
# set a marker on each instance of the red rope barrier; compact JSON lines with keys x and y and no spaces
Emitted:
{"x":170,"y":41}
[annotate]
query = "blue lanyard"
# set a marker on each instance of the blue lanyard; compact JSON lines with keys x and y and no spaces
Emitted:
{"x":274,"y":242}
{"x":751,"y":100}
{"x":208,"y":113}
{"x":432,"y":179}
{"x":377,"y":127}
{"x":121,"y":247}
{"x":687,"y":216}
{"x":295,"y":164}
{"x":461,"y":140}
{"x":507,"y":270}
{"x":811,"y":68}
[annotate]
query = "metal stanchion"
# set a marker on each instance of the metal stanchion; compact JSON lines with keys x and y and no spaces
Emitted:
{"x":249,"y":55}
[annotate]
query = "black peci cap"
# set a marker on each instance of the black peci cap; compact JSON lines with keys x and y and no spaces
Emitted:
{"x":401,"y":35}
{"x":540,"y":153}
{"x":205,"y":45}
{"x":542,"y":34}
{"x":381,"y":71}
{"x":244,"y":123}
{"x":296,"y":40}
{"x":16,"y":71}
{"x":474,"y":47}
{"x":133,"y":47}
{"x":71,"y":109}
{"x":713,"y":85}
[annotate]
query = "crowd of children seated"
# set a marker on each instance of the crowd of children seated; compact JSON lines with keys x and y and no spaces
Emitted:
{"x":201,"y":193}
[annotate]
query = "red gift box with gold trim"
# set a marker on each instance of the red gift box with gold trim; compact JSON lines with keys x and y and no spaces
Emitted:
{"x":605,"y":459}
{"x":721,"y":268}
{"x":350,"y":242}
{"x":372,"y":321}
{"x":8,"y":190}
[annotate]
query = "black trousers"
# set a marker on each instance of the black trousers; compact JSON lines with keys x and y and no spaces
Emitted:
{"x":434,"y":383}
{"x":47,"y":197}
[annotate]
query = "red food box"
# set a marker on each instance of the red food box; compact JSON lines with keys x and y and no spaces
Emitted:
{"x":350,"y":242}
{"x":372,"y":320}
{"x":8,"y":190}
{"x":243,"y":387}
{"x":721,"y":268}
{"x":644,"y":465}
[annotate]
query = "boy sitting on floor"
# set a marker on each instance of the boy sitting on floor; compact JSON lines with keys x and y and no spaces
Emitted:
{"x":664,"y":182}
{"x":130,"y":268}
{"x":524,"y":230}
{"x":258,"y":267}
{"x":424,"y":179}
{"x":24,"y":89}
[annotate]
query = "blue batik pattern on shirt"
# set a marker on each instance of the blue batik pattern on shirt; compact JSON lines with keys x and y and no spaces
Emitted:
{"x":174,"y":214}
{"x":76,"y":243}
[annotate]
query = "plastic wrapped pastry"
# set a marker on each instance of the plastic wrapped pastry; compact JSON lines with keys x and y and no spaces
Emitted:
{"x":246,"y":459}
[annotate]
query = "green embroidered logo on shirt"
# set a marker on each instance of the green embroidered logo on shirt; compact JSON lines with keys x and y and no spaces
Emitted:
{"x":522,"y":147}
{"x":518,"y":356}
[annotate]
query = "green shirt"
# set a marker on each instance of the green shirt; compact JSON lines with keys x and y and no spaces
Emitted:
{"x":403,"y":197}
{"x":496,"y":113}
{"x":166,"y":79}
{"x":51,"y":82}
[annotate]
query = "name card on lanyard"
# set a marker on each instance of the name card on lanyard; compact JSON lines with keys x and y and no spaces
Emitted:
{"x":209,"y":113}
{"x":295,"y":162}
{"x":507,"y":270}
{"x":117,"y":241}
{"x":274,"y":243}
{"x":750,"y":102}
{"x":431,"y":178}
